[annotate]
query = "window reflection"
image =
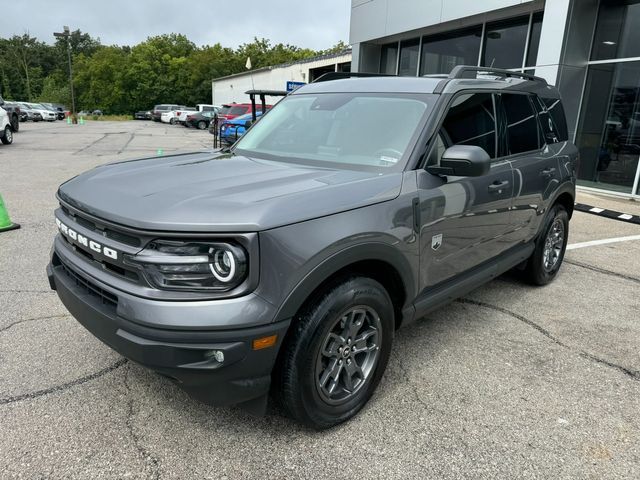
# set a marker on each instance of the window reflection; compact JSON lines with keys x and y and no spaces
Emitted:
{"x":504,"y":43}
{"x":617,"y":31}
{"x":609,"y":139}
{"x":409,"y":51}
{"x":389,"y":58}
{"x":440,"y":53}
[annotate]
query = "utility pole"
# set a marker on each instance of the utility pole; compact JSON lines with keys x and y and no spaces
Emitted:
{"x":66,"y":34}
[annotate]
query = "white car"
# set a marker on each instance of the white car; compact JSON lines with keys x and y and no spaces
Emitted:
{"x":48,"y":115}
{"x":181,"y":115}
{"x":6,"y":131}
{"x":168,"y":117}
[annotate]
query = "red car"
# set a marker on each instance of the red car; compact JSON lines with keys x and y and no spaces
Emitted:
{"x":237,"y":109}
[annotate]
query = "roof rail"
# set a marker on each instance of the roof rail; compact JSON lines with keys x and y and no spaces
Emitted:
{"x":326,"y":77}
{"x":464,"y":71}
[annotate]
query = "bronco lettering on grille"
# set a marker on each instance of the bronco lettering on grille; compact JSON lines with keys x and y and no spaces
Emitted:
{"x":86,"y":242}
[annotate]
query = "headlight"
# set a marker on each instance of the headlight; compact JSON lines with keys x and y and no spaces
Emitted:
{"x":209,"y":266}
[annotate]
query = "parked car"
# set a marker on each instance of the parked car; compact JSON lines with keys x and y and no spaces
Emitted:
{"x":32,"y":114}
{"x":237,"y":109}
{"x":287,"y":262}
{"x":200,"y":120}
{"x":168,"y":117}
{"x":158,"y":109}
{"x":183,"y":113}
{"x":46,"y":113}
{"x":58,"y":108}
{"x":13,"y":111}
{"x":6,"y":130}
{"x":205,"y":107}
{"x":142,"y":115}
{"x":232,"y":130}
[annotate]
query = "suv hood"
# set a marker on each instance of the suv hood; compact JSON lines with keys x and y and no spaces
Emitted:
{"x":202,"y":192}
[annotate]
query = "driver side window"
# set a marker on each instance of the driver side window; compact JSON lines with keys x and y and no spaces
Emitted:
{"x":471,"y":120}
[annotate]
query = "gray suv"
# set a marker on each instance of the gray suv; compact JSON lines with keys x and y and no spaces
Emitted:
{"x":285,"y":263}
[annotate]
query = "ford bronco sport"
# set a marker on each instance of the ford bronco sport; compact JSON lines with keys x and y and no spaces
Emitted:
{"x":285,"y":263}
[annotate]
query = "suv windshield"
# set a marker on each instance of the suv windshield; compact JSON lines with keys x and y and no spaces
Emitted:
{"x":344,"y":129}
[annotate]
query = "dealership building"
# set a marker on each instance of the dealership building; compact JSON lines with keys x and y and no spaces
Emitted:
{"x":589,"y":49}
{"x":287,"y":76}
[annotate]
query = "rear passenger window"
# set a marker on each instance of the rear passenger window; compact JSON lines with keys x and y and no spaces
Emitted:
{"x":522,"y":126}
{"x":556,"y":112}
{"x":471,"y":120}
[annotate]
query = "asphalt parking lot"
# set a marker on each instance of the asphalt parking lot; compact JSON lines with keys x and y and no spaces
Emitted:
{"x":510,"y":382}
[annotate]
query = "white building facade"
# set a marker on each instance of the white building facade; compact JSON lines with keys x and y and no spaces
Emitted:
{"x":231,"y":88}
{"x":589,"y":49}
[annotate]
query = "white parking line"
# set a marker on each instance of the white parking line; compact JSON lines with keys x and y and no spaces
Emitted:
{"x":604,"y":241}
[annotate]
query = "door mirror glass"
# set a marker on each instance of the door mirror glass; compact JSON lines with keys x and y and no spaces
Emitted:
{"x":463,"y":161}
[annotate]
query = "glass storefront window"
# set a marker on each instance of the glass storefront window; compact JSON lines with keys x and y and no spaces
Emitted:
{"x":617,"y":31}
{"x":409,"y":52}
{"x":440,"y":53}
{"x":389,"y":58}
{"x":609,"y":138}
{"x":504,"y":43}
{"x":534,"y":39}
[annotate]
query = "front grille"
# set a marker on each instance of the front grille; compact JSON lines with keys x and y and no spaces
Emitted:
{"x":102,"y":230}
{"x":87,"y":286}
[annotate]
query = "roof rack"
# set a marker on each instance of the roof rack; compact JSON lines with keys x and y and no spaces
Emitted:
{"x":326,"y":77}
{"x":464,"y":71}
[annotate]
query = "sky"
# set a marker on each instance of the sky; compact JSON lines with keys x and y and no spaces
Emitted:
{"x":315,"y":24}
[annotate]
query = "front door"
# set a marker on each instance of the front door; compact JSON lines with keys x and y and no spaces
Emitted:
{"x":464,"y":220}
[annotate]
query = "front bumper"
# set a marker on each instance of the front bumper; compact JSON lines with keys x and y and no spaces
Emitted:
{"x":182,"y":355}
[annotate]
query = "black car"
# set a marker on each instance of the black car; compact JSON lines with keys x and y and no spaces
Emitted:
{"x":199,"y":120}
{"x":142,"y":115}
{"x":285,"y":263}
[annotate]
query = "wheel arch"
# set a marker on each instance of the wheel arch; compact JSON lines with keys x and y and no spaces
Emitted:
{"x":381,"y":262}
{"x":566,"y":198}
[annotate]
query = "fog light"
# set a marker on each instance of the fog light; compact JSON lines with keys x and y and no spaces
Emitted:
{"x":217,"y":355}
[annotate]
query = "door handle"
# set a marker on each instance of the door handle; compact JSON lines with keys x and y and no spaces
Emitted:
{"x":547,"y":172}
{"x":497,"y":186}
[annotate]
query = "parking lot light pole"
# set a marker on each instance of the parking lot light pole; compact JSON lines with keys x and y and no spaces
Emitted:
{"x":67,"y":35}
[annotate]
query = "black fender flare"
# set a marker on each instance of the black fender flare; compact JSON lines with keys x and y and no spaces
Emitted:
{"x":373,"y":251}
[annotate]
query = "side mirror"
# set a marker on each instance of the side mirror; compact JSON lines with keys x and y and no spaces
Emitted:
{"x":463,"y":161}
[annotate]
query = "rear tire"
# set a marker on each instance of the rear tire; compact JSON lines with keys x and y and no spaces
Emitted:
{"x":15,"y":123}
{"x":546,"y":260}
{"x":336,"y":353}
{"x":7,"y":136}
{"x":172,"y":121}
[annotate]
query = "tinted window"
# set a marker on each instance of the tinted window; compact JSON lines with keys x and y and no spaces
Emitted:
{"x":504,"y":43}
{"x":409,"y":51}
{"x":440,"y":53}
{"x":548,"y":130}
{"x":389,"y":58}
{"x":618,"y":30}
{"x":534,"y":40}
{"x":522,"y":127}
{"x":471,"y":121}
{"x":554,"y":106}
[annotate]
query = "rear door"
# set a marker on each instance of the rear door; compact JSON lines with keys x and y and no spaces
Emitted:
{"x":535,"y":165}
{"x":465,"y":219}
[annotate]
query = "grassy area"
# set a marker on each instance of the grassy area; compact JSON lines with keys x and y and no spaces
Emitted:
{"x":111,"y":118}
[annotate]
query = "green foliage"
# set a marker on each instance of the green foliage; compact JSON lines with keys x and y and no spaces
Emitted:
{"x":120,"y":80}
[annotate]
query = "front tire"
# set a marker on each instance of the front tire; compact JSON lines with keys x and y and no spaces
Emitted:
{"x":336,"y":354}
{"x":7,"y":136}
{"x":15,"y":123}
{"x":546,"y":260}
{"x":202,"y":125}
